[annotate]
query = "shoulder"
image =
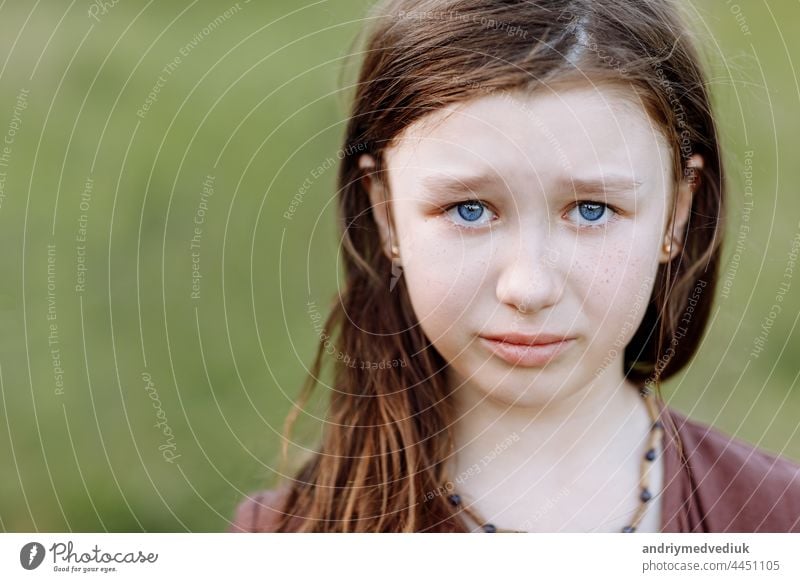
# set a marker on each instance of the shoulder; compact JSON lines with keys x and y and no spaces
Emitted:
{"x":740,"y":487}
{"x":260,"y":511}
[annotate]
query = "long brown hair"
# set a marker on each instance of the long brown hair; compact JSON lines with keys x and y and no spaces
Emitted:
{"x":387,"y":435}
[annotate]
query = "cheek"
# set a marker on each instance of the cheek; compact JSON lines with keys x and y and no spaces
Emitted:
{"x":443,"y":280}
{"x":615,"y":287}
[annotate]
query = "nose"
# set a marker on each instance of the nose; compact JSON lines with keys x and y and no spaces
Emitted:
{"x":529,"y":280}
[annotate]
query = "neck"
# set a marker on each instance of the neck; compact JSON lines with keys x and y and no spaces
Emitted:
{"x":512,"y":462}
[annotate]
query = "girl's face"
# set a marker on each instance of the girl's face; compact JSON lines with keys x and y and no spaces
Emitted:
{"x":532,"y":214}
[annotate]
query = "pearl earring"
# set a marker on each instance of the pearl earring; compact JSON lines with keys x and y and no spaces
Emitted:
{"x":395,"y":251}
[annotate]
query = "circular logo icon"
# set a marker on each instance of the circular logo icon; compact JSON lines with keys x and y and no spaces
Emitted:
{"x":31,"y":555}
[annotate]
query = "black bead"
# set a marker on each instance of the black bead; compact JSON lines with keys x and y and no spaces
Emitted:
{"x":657,"y":424}
{"x":650,"y":455}
{"x":628,"y":529}
{"x":455,"y":499}
{"x":489,"y":528}
{"x":645,"y":496}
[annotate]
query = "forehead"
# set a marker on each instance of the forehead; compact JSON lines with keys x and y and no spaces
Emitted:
{"x":579,"y":129}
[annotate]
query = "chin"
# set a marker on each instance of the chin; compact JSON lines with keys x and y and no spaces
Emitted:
{"x":514,"y":391}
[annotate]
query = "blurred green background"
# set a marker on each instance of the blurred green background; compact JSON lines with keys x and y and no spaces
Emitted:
{"x":102,"y":308}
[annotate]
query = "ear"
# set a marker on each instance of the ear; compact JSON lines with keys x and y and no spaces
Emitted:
{"x":676,"y":231}
{"x":379,"y":202}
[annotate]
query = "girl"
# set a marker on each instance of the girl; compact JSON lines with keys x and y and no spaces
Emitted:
{"x":531,"y":207}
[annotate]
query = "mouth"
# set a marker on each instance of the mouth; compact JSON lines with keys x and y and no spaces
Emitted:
{"x":528,"y":352}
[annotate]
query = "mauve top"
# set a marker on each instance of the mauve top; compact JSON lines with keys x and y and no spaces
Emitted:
{"x":726,"y":485}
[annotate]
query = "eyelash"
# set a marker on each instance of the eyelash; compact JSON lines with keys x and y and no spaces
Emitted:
{"x":608,"y":207}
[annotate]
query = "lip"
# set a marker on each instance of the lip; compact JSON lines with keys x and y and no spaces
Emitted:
{"x":525,"y":350}
{"x":528,"y":339}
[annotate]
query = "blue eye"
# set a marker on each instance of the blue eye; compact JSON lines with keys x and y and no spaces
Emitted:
{"x":470,"y":212}
{"x":591,"y":211}
{"x":593,"y":214}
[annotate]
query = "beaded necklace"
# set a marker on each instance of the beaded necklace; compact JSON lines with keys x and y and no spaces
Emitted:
{"x":656,"y":429}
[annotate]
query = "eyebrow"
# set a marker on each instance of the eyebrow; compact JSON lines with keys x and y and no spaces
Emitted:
{"x":609,"y":184}
{"x":606,"y":184}
{"x":444,"y":185}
